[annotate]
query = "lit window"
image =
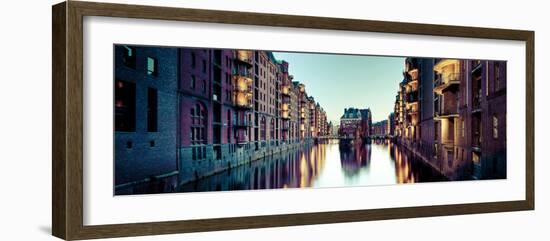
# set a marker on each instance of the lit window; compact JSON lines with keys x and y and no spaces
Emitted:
{"x":463,"y":128}
{"x":125,"y":106}
{"x":129,"y":57}
{"x":152,"y":66}
{"x":495,"y":126}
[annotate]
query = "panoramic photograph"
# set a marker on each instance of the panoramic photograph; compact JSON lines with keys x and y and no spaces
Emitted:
{"x":206,"y":119}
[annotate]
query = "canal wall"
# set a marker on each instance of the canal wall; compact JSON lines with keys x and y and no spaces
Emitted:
{"x":190,"y":169}
{"x":426,"y":152}
{"x":288,"y":168}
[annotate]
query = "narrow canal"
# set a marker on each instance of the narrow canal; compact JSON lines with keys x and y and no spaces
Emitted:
{"x":323,"y":165}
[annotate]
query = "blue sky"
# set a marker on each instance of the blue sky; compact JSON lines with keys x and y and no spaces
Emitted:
{"x":342,"y":81}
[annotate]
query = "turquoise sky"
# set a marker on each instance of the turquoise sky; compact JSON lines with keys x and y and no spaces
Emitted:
{"x":343,"y":81}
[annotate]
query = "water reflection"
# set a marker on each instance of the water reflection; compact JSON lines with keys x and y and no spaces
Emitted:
{"x":354,"y":158}
{"x":378,"y":162}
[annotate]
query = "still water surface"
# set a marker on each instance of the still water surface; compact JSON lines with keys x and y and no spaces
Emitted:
{"x":323,"y":165}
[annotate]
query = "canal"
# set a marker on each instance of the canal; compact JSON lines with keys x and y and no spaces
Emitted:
{"x":323,"y":165}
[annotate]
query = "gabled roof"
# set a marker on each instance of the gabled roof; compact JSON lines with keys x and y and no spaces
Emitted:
{"x":355,"y":113}
{"x":272,"y":57}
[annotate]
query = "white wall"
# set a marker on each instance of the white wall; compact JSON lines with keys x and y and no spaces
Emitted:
{"x":25,"y":123}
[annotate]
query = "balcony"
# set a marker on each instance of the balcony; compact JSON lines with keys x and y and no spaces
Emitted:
{"x":242,"y":92}
{"x":413,"y":73}
{"x":446,"y":114}
{"x":476,"y":132}
{"x":448,"y":110}
{"x":476,"y":101}
{"x":446,"y":64}
{"x":243,"y":83}
{"x":476,"y":142}
{"x":446,"y":81}
{"x":286,"y":111}
{"x":286,"y":99}
{"x":286,"y":114}
{"x":413,"y":77}
{"x":302,"y":88}
{"x":411,"y":100}
{"x":245,"y":57}
{"x":412,"y":86}
{"x":285,"y":90}
{"x":412,"y":97}
{"x":412,"y":118}
{"x":285,"y":106}
{"x":476,"y":65}
{"x":448,"y":74}
{"x":412,"y":107}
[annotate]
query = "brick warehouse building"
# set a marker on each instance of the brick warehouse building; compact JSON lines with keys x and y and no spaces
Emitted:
{"x":380,"y":129}
{"x":355,"y":124}
{"x":462,"y":106}
{"x":145,"y":109}
{"x":215,"y":108}
{"x":391,"y":125}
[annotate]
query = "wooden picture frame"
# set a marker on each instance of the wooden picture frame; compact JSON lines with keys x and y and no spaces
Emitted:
{"x":67,"y":136}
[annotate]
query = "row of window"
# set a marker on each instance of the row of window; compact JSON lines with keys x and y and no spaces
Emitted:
{"x":477,"y":128}
{"x":493,"y":87}
{"x":203,"y":61}
{"x":194,"y":62}
{"x":193,"y":84}
{"x":199,"y":123}
{"x":204,"y":86}
{"x":129,"y":59}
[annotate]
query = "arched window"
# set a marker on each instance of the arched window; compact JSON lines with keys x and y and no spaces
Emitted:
{"x":198,"y":131}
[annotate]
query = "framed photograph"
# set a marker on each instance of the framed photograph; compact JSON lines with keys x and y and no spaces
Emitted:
{"x":171,"y":120}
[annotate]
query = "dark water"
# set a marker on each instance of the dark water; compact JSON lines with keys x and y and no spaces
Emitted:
{"x":323,"y":165}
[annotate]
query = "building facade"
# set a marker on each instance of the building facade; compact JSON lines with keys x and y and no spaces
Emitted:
{"x":366,"y":123}
{"x":196,"y":112}
{"x":391,"y":125}
{"x":380,"y":129}
{"x":461,"y":105}
{"x":145,"y":109}
{"x":355,"y":124}
{"x":427,"y":126}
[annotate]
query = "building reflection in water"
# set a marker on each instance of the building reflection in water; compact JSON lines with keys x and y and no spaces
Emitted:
{"x":354,"y":158}
{"x":410,"y":169}
{"x":323,"y":165}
